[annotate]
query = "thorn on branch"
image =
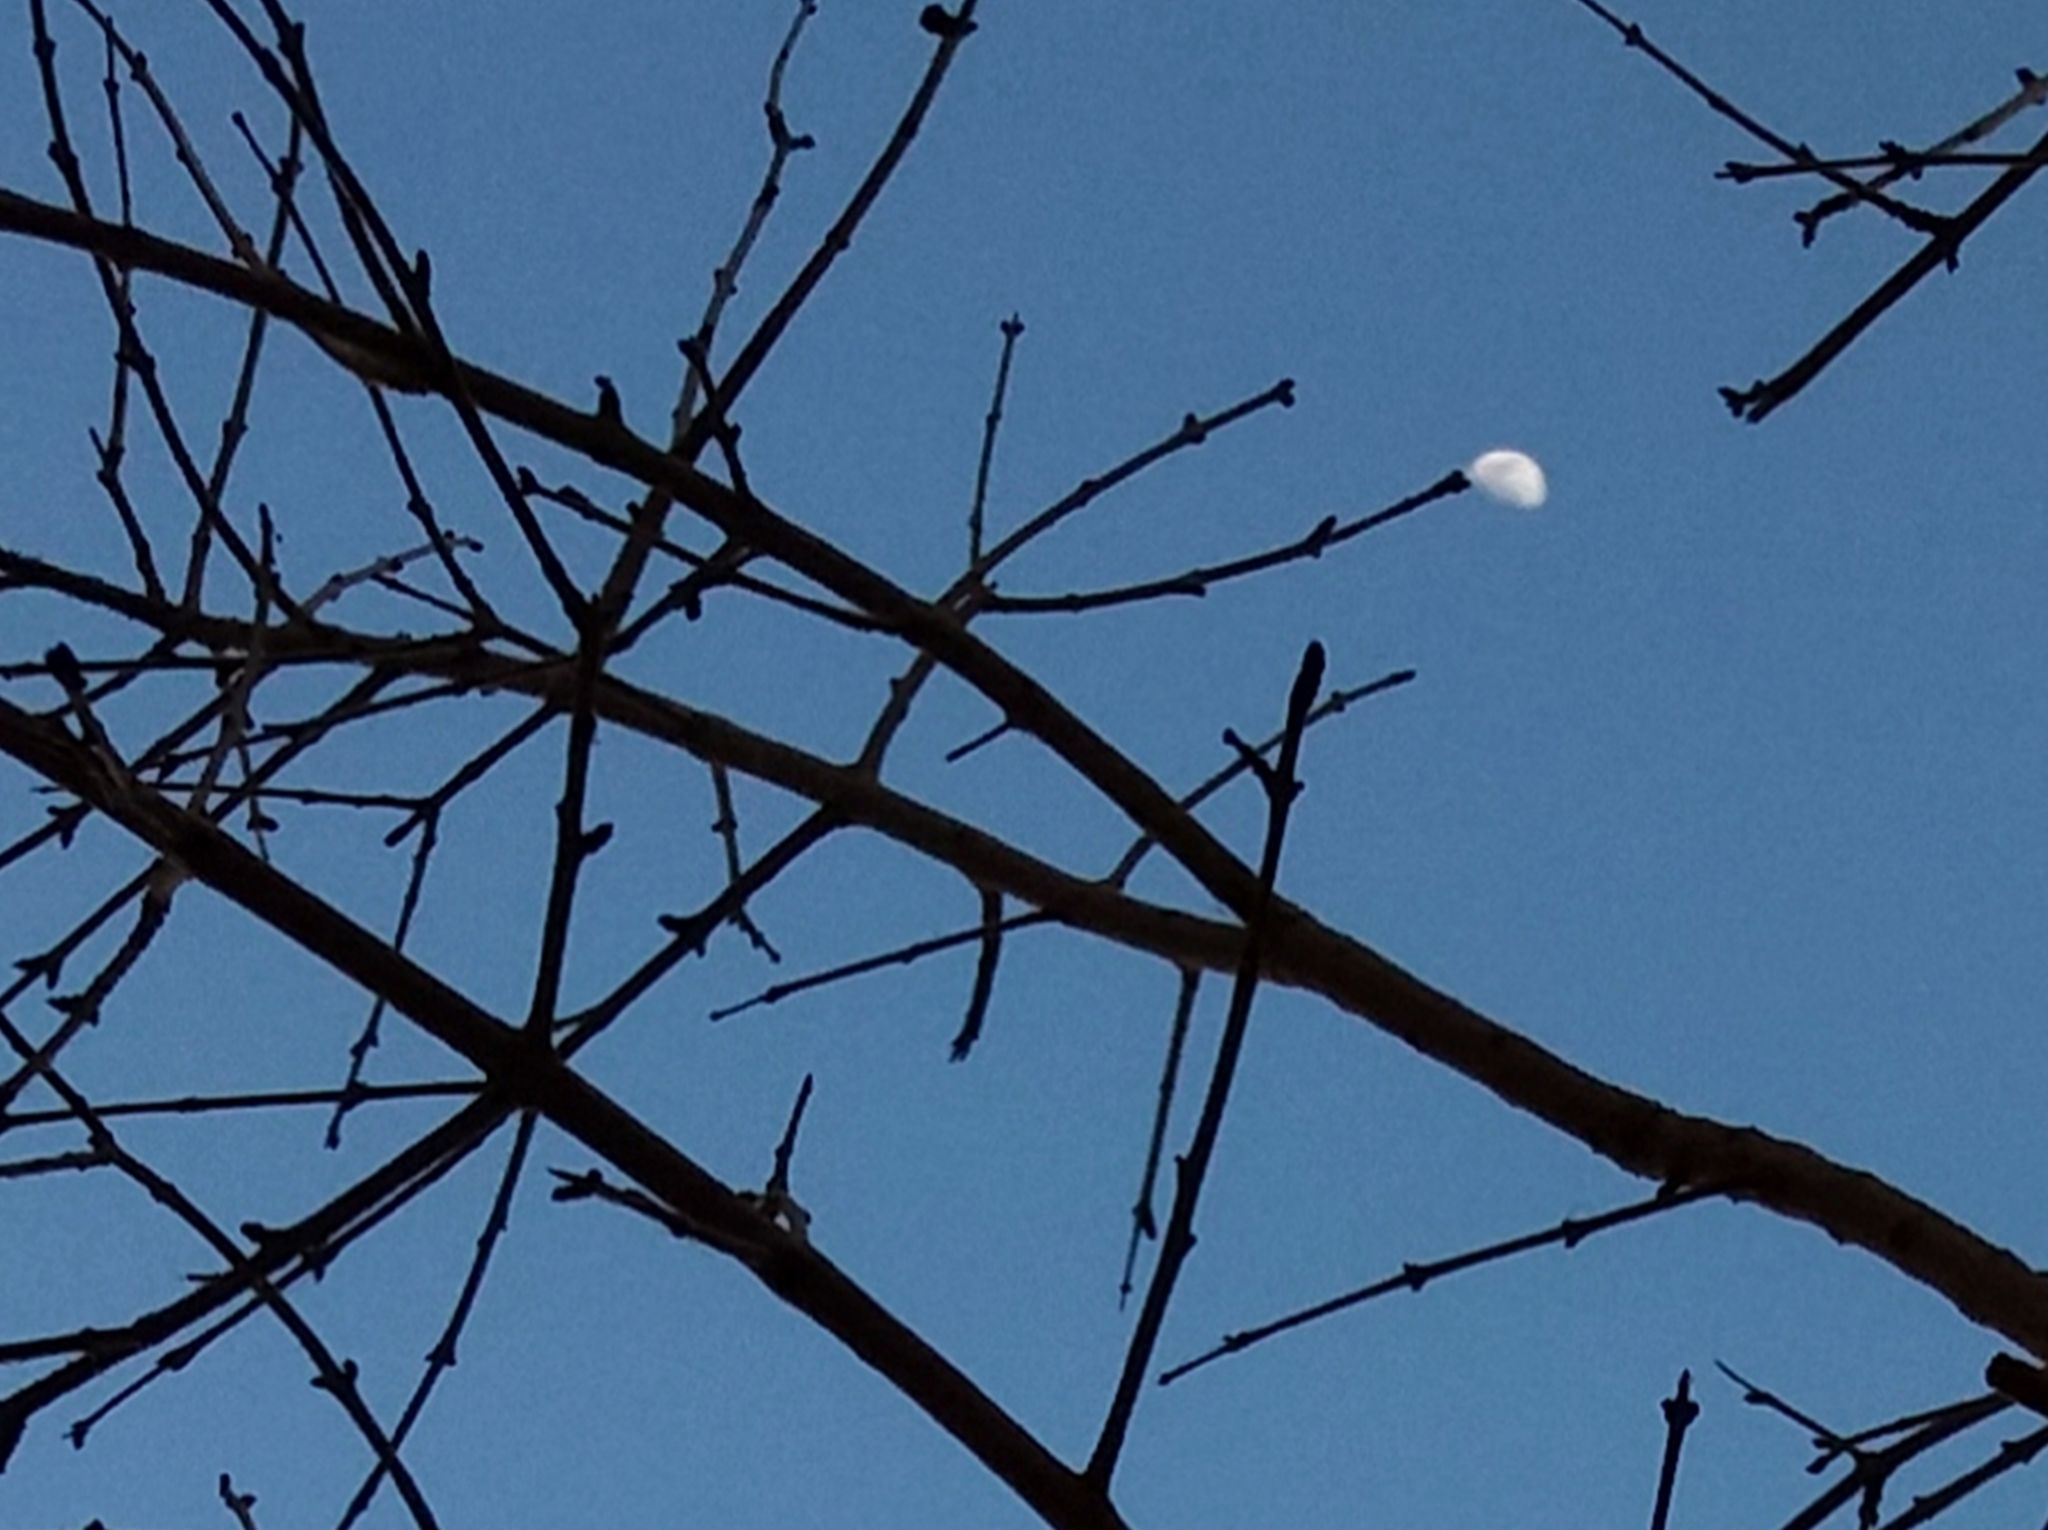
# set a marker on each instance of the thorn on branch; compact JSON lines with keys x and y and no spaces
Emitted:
{"x":580,"y":1186}
{"x":1252,"y":761}
{"x":944,"y":24}
{"x":48,"y":965}
{"x":783,"y":139}
{"x":1739,"y":400}
{"x":67,"y":820}
{"x":82,"y":1007}
{"x":65,"y":670}
{"x":238,"y":1504}
{"x":980,"y":740}
{"x":340,"y":1382}
{"x":1679,"y":1412}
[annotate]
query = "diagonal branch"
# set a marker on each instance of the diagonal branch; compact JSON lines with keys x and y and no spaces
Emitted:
{"x":535,"y":1078}
{"x":1179,"y":1240}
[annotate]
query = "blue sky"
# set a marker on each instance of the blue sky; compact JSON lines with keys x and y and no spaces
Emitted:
{"x":1721,"y":775}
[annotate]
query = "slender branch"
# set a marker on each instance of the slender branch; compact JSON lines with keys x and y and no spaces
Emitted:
{"x":333,"y":1376}
{"x":1632,"y":36}
{"x":2033,"y":91}
{"x":1865,"y":1483}
{"x":727,"y":828}
{"x":1143,"y":1223}
{"x":787,"y":1265}
{"x":1012,"y":327}
{"x":839,"y":237}
{"x":441,"y":1358}
{"x":1679,"y":1413}
{"x":2010,"y":1456}
{"x":984,"y":975}
{"x":1908,"y":162}
{"x":1325,"y":534}
{"x":1764,"y":396}
{"x":261,"y":1099}
{"x":1282,"y":788}
{"x":1568,"y":1233}
{"x":783,"y":144}
{"x":308,"y":1243}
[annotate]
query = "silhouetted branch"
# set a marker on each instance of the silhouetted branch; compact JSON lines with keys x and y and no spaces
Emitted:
{"x":1762,"y":397}
{"x":2010,"y":1456}
{"x":241,"y":1505}
{"x":441,"y":1358}
{"x":1903,"y":162}
{"x":1413,"y":1277}
{"x":725,"y":280}
{"x":367,"y":1039}
{"x":1327,"y":533}
{"x":260,"y":1099}
{"x":984,"y":975}
{"x":1679,"y":1412}
{"x":333,"y":1376}
{"x":839,"y":237}
{"x":1143,"y":1223}
{"x":1282,"y":787}
{"x":1012,"y":327}
{"x":1915,"y":218}
{"x":1945,"y":233}
{"x":1872,"y":1471}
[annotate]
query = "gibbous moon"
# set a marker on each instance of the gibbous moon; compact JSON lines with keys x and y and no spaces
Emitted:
{"x":1513,"y":478}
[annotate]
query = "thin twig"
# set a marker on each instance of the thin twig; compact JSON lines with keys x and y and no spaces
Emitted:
{"x":1765,"y":396}
{"x":441,"y":1358}
{"x":2010,"y":1456}
{"x":1282,"y":787}
{"x":727,"y":828}
{"x":1143,"y":1223}
{"x":132,"y":352}
{"x":241,"y":1505}
{"x":1327,"y":533}
{"x":1679,"y":1412}
{"x":352,"y":1088}
{"x":333,"y":1376}
{"x":783,"y":144}
{"x":263,"y":1099}
{"x":1865,"y":1482}
{"x":916,"y":950}
{"x":1903,"y":162}
{"x":283,"y":176}
{"x":984,"y":975}
{"x":1012,"y":327}
{"x":1632,"y":36}
{"x":839,"y":237}
{"x":1414,"y":1276}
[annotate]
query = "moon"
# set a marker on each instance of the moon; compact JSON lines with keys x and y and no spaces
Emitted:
{"x":1513,"y":478}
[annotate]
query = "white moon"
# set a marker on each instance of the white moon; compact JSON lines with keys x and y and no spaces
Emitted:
{"x":1513,"y":478}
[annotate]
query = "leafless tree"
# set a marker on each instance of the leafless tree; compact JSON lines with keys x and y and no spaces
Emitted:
{"x":177,"y":715}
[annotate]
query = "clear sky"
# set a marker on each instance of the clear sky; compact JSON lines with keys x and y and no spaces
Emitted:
{"x":1721,"y":775}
